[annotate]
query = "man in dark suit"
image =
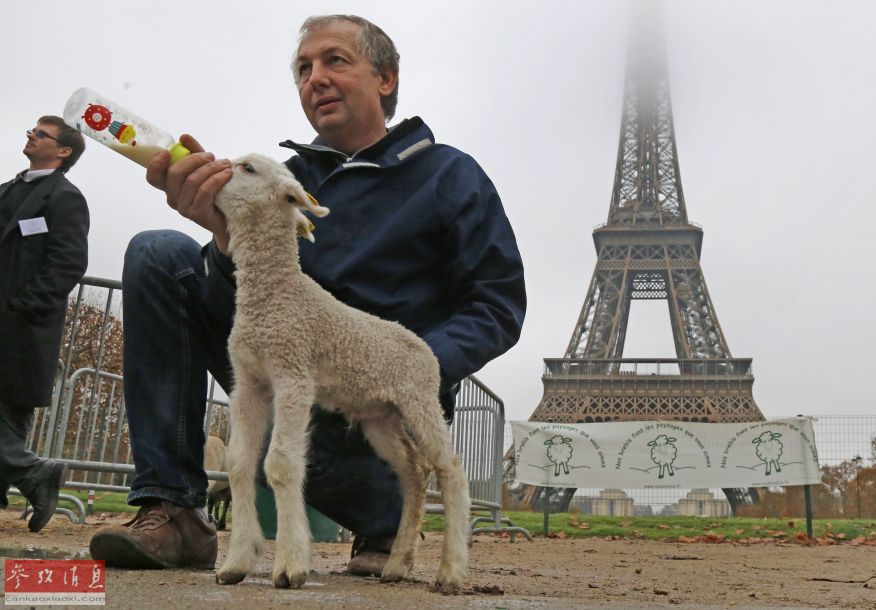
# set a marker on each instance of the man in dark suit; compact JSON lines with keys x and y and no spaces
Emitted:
{"x":43,"y":254}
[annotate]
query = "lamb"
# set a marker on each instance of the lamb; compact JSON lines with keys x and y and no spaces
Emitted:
{"x":294,"y":345}
{"x":663,"y":453}
{"x":559,"y":452}
{"x":769,"y":450}
{"x":218,"y":492}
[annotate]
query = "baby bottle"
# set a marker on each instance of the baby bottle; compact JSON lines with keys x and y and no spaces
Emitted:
{"x":123,"y":131}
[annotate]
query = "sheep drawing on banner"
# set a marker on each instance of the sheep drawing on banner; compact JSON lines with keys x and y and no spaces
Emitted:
{"x":663,"y":453}
{"x":769,"y":450}
{"x":559,"y":451}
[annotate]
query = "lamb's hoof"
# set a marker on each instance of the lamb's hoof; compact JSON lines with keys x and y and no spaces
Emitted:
{"x":447,"y":587}
{"x":450,"y":578}
{"x":229,"y":578}
{"x":283,"y":580}
{"x":388,"y":576}
{"x":394,"y":571}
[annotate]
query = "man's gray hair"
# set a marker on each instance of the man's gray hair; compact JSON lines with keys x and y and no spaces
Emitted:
{"x":371,"y":42}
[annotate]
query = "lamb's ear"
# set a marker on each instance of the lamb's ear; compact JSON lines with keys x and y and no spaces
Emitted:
{"x":313,"y":206}
{"x":294,"y":193}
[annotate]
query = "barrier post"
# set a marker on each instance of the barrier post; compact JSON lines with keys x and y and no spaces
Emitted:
{"x":547,"y":510}
{"x":807,"y":498}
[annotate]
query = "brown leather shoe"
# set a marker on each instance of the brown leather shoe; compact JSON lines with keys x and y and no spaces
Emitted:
{"x":162,"y":535}
{"x":369,"y":555}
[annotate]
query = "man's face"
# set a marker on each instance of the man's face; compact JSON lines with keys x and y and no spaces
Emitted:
{"x":339,"y":91}
{"x":43,"y":152}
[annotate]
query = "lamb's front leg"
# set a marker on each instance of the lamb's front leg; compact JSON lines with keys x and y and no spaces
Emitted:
{"x":285,"y":468}
{"x":250,"y":414}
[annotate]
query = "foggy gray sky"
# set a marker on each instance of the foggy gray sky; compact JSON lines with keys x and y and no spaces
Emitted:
{"x":775,"y":115}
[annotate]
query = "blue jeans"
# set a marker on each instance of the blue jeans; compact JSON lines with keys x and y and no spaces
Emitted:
{"x":176,"y":325}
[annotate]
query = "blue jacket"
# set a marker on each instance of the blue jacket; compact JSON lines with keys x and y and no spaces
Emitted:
{"x":417,"y":234}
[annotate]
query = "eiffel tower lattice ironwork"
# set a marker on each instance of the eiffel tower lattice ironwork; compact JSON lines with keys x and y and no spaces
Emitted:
{"x":647,"y":249}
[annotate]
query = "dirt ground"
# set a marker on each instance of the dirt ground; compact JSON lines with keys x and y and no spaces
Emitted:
{"x":583,"y":573}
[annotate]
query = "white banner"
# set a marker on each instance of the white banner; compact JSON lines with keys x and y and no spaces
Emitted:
{"x":666,"y":454}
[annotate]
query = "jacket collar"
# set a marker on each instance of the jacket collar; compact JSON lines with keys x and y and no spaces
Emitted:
{"x":401,"y":141}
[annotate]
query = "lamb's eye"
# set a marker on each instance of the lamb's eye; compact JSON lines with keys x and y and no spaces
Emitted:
{"x":248,"y":168}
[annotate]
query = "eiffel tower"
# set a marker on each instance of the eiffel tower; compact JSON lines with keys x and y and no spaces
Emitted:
{"x":647,"y":249}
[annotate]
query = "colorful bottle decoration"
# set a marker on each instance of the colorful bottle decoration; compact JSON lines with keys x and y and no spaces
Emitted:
{"x":123,"y":133}
{"x":115,"y":127}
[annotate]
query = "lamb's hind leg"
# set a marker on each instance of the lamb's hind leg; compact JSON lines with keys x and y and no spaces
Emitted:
{"x":249,"y":417}
{"x":392,"y":444}
{"x":432,"y":438}
{"x":285,"y":469}
{"x":226,"y":500}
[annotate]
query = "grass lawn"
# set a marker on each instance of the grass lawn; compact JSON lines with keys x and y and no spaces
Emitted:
{"x":576,"y":525}
{"x":572,"y":525}
{"x":104,"y":502}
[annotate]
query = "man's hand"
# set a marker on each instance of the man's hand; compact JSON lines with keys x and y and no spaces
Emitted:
{"x":191,"y":185}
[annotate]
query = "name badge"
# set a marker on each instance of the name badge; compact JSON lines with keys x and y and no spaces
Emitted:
{"x":33,"y":226}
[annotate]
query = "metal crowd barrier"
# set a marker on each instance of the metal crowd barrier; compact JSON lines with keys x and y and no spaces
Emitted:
{"x":92,"y":436}
{"x":478,"y":435}
{"x":85,"y":425}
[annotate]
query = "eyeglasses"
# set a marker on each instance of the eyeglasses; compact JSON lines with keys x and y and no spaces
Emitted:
{"x":39,"y":133}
